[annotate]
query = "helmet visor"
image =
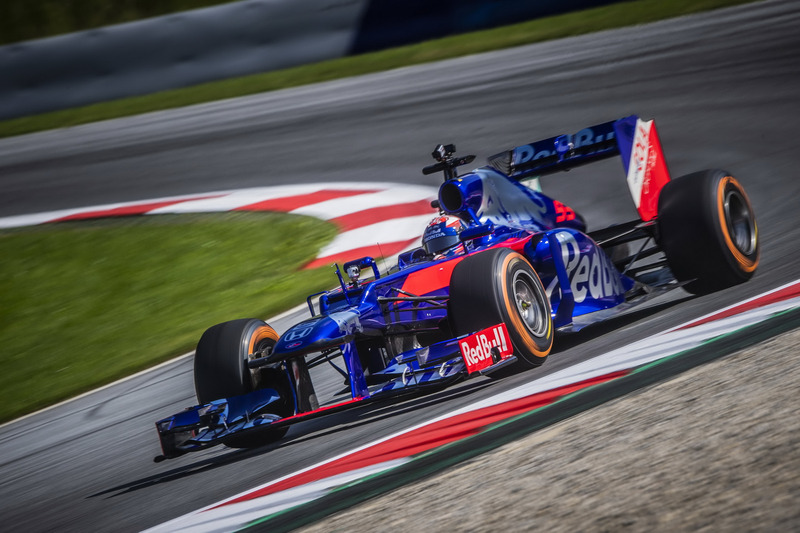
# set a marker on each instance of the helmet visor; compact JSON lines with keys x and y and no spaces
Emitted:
{"x":440,"y":243}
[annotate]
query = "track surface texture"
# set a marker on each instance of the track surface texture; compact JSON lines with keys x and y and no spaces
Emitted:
{"x":651,"y":461}
{"x":722,"y":86}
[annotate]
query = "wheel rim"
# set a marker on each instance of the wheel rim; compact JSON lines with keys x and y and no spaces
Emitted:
{"x":740,"y":222}
{"x":262,"y":348}
{"x":529,"y":300}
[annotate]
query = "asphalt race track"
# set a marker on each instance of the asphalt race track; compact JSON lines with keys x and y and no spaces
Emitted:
{"x":722,"y":86}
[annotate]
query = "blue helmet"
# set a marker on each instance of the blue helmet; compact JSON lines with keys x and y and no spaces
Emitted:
{"x":442,"y":234}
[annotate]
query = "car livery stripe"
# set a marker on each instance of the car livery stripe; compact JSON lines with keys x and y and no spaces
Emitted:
{"x":395,"y":450}
{"x":646,"y":167}
{"x":430,"y":279}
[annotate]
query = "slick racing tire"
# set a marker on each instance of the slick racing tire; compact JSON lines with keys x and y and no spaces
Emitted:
{"x":220,"y":370}
{"x":500,"y":285}
{"x":707,"y":230}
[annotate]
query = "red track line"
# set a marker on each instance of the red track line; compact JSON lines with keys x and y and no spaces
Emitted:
{"x":786,"y":293}
{"x":129,"y":210}
{"x":383,"y":250}
{"x":426,"y":438}
{"x":381,"y":214}
{"x":289,"y":203}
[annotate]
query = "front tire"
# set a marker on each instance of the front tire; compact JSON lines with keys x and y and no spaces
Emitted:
{"x":707,"y":230}
{"x":220,"y":360}
{"x":500,"y":285}
{"x":220,"y":370}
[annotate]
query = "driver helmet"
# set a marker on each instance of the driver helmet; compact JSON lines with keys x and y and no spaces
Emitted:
{"x":442,"y":234}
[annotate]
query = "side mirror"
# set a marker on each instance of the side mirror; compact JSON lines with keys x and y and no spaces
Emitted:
{"x":353,"y":268}
{"x":476,"y":232}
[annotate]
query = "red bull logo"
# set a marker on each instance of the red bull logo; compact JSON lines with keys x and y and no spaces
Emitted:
{"x":482,"y":349}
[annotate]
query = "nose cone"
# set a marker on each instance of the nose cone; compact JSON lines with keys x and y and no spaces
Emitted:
{"x":317,"y":334}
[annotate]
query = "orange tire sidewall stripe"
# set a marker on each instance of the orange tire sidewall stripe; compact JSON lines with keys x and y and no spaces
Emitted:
{"x":748,"y":265}
{"x":261,"y":332}
{"x":511,"y":309}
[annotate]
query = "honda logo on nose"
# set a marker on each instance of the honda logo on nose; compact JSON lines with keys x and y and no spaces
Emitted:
{"x":298,"y":333}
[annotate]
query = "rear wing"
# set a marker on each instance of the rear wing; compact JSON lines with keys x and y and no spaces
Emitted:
{"x":630,"y":137}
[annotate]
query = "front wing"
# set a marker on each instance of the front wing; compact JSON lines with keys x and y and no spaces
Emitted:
{"x":441,"y":364}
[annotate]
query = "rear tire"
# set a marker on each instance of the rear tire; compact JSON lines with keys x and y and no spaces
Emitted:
{"x":220,"y":370}
{"x":500,"y":285}
{"x":707,"y":230}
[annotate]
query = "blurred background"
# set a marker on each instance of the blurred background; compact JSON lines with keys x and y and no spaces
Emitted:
{"x":77,"y":52}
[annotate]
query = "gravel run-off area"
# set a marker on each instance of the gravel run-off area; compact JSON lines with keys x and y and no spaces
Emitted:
{"x":713,"y":449}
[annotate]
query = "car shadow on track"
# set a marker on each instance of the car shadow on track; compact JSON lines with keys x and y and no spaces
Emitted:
{"x":566,"y":341}
{"x":181,"y":472}
{"x":387,"y":409}
{"x":308,"y":431}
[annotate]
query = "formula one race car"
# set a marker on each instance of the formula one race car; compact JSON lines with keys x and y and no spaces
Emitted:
{"x":499,"y":271}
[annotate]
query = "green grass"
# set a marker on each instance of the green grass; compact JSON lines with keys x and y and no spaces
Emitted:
{"x":602,"y":18}
{"x":85,"y":303}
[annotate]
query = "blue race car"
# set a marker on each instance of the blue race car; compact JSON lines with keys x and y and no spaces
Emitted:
{"x":500,"y":270}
